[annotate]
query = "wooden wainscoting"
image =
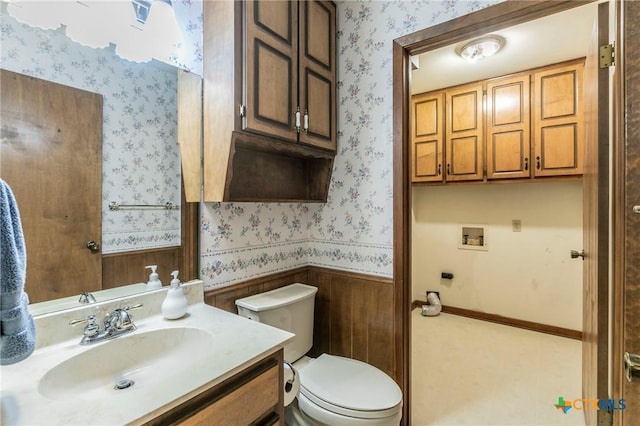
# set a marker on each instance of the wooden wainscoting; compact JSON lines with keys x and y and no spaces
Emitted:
{"x":129,"y":267}
{"x":224,"y":298}
{"x":354,"y":317}
{"x":353,"y":312}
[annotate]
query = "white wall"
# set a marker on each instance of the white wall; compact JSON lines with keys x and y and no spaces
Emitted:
{"x":527,"y":275}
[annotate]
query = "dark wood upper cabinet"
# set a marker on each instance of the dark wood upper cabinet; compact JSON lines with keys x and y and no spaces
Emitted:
{"x":269,"y":100}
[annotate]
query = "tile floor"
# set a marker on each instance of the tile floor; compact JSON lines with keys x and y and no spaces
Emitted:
{"x":472,"y":372}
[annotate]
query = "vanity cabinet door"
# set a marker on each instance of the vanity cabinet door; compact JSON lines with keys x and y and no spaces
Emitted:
{"x":508,"y":127}
{"x":465,"y":133}
{"x":427,"y":137}
{"x":253,"y":396}
{"x":558,"y":128}
{"x":243,"y":405}
{"x":271,"y":70}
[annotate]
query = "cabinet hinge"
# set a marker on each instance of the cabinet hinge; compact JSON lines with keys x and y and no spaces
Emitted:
{"x":607,"y":56}
{"x":243,"y":110}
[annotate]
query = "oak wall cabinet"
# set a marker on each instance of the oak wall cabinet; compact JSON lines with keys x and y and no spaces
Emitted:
{"x":521,"y":126}
{"x":269,"y":100}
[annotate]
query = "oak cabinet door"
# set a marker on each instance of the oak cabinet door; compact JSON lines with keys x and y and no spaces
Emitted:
{"x":558,"y":128}
{"x":508,"y":127}
{"x":464,"y":133}
{"x":427,"y":137}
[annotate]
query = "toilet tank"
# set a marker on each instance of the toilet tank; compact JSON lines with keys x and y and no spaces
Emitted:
{"x":288,"y":308}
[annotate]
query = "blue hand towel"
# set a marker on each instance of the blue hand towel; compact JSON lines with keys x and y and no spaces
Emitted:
{"x":17,"y":329}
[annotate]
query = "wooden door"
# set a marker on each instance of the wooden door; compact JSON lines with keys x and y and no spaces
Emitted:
{"x":595,"y":308}
{"x":508,"y":127}
{"x":464,"y":149}
{"x":628,"y":201}
{"x":271,"y":69}
{"x":317,"y":96}
{"x":558,"y":126}
{"x":51,"y":156}
{"x":427,"y":137}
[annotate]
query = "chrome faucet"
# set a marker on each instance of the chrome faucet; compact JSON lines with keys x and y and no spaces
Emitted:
{"x":116,"y":323}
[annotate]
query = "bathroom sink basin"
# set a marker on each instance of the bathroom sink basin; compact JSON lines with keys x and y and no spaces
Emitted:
{"x":136,"y":361}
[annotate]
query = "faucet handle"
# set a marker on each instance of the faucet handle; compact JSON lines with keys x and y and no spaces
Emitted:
{"x":136,"y":306}
{"x":91,"y":329}
{"x":90,"y":319}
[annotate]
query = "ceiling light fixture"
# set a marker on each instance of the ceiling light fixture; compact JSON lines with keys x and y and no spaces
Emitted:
{"x":481,"y":48}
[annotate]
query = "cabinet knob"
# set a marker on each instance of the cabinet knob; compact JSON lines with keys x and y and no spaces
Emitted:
{"x":439,"y":169}
{"x":305,"y":126}
{"x":448,"y":169}
{"x":526,"y":163}
{"x":538,"y":162}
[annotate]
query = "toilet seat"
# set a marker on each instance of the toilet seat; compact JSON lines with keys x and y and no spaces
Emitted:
{"x":350,"y":387}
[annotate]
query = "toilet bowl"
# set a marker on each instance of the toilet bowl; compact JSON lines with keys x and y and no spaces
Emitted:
{"x":342,"y":391}
{"x":334,"y":390}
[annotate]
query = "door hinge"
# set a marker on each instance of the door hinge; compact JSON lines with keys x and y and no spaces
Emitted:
{"x":243,"y":110}
{"x":607,"y":56}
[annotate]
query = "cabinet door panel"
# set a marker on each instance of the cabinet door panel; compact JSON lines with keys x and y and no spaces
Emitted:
{"x":318,"y":46}
{"x":427,"y":137}
{"x":508,"y":127}
{"x":465,"y":133}
{"x":506,"y":151}
{"x":464,"y":157}
{"x":558,"y":120}
{"x":560,"y":145}
{"x":318,"y":73}
{"x":320,"y":89}
{"x":271,"y":63}
{"x":271,"y":68}
{"x":426,"y":160}
{"x":275,"y":18}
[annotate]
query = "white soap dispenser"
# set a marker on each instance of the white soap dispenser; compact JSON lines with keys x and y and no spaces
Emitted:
{"x":154,"y":282}
{"x":175,"y":304}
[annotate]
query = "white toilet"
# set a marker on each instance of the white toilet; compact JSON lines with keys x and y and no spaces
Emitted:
{"x":333,"y":390}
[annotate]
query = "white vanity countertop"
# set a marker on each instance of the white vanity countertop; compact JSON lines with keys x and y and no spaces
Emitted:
{"x":238,"y":343}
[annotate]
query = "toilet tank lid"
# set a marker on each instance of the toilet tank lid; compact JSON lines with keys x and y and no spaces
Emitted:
{"x":277,"y":298}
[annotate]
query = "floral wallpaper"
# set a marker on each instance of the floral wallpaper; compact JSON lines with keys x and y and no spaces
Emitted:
{"x":353,"y":231}
{"x":141,"y":161}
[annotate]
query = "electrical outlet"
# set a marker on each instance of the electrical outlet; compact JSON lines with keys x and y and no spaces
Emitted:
{"x":516,"y":225}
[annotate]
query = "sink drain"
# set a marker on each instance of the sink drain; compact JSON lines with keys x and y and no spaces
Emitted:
{"x":123,"y":384}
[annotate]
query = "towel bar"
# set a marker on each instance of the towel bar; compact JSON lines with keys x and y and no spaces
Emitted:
{"x":114,"y":206}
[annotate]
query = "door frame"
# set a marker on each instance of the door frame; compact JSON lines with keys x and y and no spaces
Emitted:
{"x":493,"y":18}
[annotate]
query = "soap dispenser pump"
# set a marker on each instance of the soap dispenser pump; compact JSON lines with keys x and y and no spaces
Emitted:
{"x":175,"y":304}
{"x":154,"y":282}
